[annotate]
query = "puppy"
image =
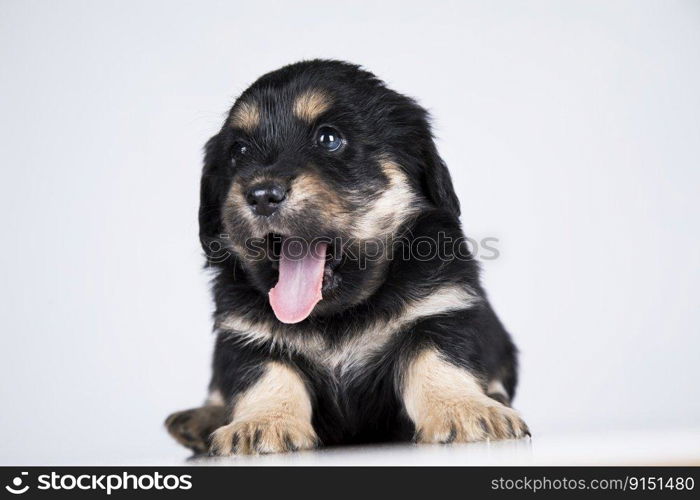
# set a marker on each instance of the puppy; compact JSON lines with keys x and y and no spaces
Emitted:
{"x":348,"y":307}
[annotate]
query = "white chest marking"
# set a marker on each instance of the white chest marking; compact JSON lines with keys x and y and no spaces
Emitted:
{"x":359,"y":347}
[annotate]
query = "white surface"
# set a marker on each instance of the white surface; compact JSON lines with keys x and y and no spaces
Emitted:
{"x":571,"y":129}
{"x":606,"y":448}
{"x":627,"y":447}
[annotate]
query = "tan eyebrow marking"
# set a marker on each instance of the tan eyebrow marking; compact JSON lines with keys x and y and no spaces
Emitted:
{"x":245,"y":116}
{"x":310,"y":104}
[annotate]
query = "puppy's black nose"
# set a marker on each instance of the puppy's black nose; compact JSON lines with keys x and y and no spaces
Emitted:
{"x":265,"y":198}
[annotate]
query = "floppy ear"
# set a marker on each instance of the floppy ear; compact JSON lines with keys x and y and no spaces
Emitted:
{"x":212,"y":193}
{"x":437,"y":183}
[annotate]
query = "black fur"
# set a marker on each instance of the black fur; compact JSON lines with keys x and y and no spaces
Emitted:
{"x":362,"y":406}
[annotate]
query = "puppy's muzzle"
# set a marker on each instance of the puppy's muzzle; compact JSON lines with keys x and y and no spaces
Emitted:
{"x":266,"y":197}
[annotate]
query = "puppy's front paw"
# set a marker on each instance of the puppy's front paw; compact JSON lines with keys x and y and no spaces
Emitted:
{"x":471,"y":420}
{"x":192,"y":428}
{"x":263,"y":435}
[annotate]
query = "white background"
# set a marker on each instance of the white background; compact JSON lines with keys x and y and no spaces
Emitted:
{"x":572,"y":130}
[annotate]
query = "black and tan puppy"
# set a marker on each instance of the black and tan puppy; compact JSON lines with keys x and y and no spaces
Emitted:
{"x":348,"y":309}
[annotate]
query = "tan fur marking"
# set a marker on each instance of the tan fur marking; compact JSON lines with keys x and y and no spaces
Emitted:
{"x":496,"y":387}
{"x":236,"y":208}
{"x":386,"y":213}
{"x":246,"y":116}
{"x":311,"y":104}
{"x":273,"y":416}
{"x":358,"y":349}
{"x":309,"y":187}
{"x":447,"y":403}
{"x":215,"y":398}
{"x":260,"y":332}
{"x":309,"y":190}
{"x":354,"y":352}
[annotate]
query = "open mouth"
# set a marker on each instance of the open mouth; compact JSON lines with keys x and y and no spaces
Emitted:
{"x":307,"y":271}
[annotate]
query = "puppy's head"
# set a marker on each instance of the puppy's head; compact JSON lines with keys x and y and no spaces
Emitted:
{"x":316,"y":163}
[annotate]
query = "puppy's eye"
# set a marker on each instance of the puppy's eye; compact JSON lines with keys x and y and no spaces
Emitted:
{"x":238,"y":150}
{"x":329,"y":139}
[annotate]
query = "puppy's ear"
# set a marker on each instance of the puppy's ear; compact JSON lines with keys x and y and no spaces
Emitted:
{"x":212,"y":193}
{"x":437,"y":183}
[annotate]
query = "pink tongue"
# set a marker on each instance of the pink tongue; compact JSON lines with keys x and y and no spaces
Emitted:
{"x":298,"y":289}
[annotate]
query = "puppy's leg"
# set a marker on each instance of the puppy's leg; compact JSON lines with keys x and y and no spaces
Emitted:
{"x":272,"y":416}
{"x":192,"y":428}
{"x":448,"y":403}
